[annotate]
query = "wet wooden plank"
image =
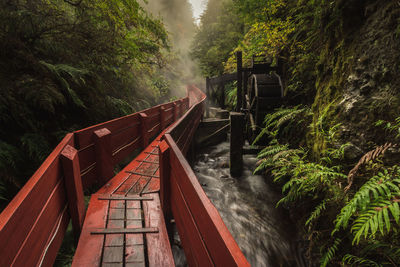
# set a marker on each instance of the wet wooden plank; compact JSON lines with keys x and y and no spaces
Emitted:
{"x":112,"y":231}
{"x":113,"y":254}
{"x":90,"y":247}
{"x":158,"y":247}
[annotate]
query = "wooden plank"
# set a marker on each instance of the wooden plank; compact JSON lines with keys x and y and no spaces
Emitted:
{"x":55,"y":240}
{"x":115,"y":197}
{"x":159,"y":251}
{"x":84,"y":137}
{"x":220,"y":243}
{"x":125,"y":135}
{"x":195,"y":250}
{"x":87,"y":156}
{"x":113,"y":254}
{"x":90,"y":247}
{"x":121,"y":153}
{"x":73,"y":185}
{"x":18,"y":217}
{"x":108,"y":231}
{"x":35,"y":242}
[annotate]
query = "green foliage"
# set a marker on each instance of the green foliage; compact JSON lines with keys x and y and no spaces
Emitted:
{"x":65,"y":65}
{"x":330,"y":253}
{"x":219,"y":33}
{"x":370,"y":208}
{"x":283,"y":121}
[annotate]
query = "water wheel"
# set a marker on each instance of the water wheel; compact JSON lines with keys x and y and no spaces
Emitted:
{"x":264,"y":94}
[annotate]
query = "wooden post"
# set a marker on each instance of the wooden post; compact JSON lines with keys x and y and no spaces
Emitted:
{"x":208,"y":97}
{"x":245,"y":81}
{"x":239,"y":80}
{"x":165,"y":189}
{"x":73,"y":185}
{"x":103,"y":150}
{"x":162,"y":118}
{"x":144,"y":126}
{"x":176,"y":112}
{"x":236,"y":143}
{"x":221,"y":87}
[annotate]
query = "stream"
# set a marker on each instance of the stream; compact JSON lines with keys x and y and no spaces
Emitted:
{"x":263,"y":232}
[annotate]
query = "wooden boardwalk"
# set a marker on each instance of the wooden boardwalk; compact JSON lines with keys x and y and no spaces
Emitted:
{"x":124,"y":224}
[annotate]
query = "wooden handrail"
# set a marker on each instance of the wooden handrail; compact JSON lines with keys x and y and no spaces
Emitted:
{"x":206,"y":239}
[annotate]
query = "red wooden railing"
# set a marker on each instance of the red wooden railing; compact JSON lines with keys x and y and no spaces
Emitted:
{"x":205,"y":238}
{"x":33,"y":225}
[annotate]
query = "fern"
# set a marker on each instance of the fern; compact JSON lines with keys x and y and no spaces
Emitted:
{"x":358,"y":261}
{"x":381,"y":185}
{"x":330,"y":253}
{"x":375,"y":217}
{"x":319,"y":209}
{"x":282,"y":120}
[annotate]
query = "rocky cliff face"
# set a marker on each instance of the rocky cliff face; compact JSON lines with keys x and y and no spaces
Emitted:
{"x":357,"y":79}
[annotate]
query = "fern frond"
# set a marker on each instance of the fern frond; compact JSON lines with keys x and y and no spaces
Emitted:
{"x":317,"y":212}
{"x":358,"y":261}
{"x":330,"y":253}
{"x":381,"y":185}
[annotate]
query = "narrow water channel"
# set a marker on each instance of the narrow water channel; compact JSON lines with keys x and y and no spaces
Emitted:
{"x":264,"y":233}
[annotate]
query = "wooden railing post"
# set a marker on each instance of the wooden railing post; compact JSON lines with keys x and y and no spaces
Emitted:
{"x":176,"y":116}
{"x":103,"y":150}
{"x":144,"y":128}
{"x":73,"y":185}
{"x":162,"y":118}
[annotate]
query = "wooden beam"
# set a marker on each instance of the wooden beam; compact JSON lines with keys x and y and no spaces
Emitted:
{"x":73,"y":185}
{"x":116,"y":197}
{"x":225,"y":78}
{"x":125,"y":231}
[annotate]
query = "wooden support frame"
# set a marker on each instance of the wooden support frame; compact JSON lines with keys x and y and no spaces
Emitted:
{"x":73,"y":185}
{"x":103,"y":149}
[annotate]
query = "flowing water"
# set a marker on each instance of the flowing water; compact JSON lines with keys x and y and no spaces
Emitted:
{"x":264,"y":233}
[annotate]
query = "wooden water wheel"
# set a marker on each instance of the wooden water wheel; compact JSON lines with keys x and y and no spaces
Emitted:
{"x":263,"y":95}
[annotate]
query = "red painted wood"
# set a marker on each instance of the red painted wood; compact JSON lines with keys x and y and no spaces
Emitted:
{"x":104,"y":161}
{"x":35,"y":242}
{"x":18,"y":218}
{"x":158,"y":246}
{"x":163,"y":120}
{"x":220,"y":243}
{"x":125,"y":136}
{"x":144,"y":128}
{"x":84,"y":137}
{"x":165,"y":172}
{"x":195,"y":250}
{"x":73,"y":185}
{"x":55,"y":239}
{"x":88,"y":252}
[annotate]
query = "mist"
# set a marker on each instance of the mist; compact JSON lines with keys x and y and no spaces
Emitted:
{"x":177,"y":16}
